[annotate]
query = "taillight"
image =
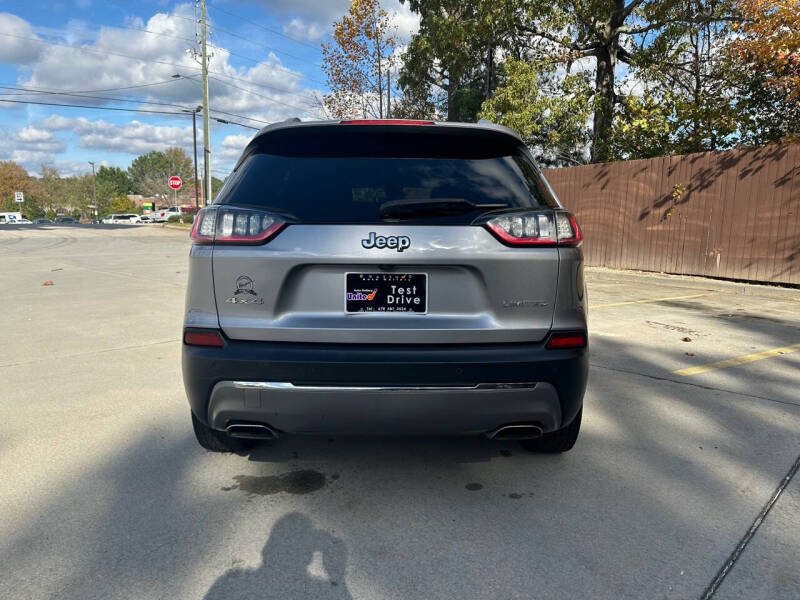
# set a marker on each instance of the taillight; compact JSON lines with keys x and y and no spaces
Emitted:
{"x":233,"y":225}
{"x":562,"y":341}
{"x":210,"y":338}
{"x":536,"y":228}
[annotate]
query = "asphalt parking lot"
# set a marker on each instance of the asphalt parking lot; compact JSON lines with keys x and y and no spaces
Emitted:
{"x":105,"y":493}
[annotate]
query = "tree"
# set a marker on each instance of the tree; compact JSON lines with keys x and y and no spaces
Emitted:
{"x":48,"y":188}
{"x":112,"y":181}
{"x":685,"y":100}
{"x":548,"y":111}
{"x":13,"y":178}
{"x":450,"y":62}
{"x":77,"y":195}
{"x":358,"y":61}
{"x":457,"y":40}
{"x":769,"y":41}
{"x":121,"y":204}
{"x":149,"y":173}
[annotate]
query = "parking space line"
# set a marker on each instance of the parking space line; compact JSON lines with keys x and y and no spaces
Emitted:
{"x":647,"y":300}
{"x":712,"y":588}
{"x":737,"y":360}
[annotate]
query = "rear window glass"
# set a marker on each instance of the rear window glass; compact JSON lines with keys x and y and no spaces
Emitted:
{"x":344,"y":177}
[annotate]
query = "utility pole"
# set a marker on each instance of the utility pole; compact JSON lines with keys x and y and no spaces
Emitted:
{"x":206,"y":132}
{"x":194,"y":138}
{"x":94,"y":191}
{"x":388,"y":93}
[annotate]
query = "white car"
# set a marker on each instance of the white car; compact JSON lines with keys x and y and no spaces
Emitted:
{"x":10,"y":218}
{"x":121,"y":219}
{"x":163,"y":214}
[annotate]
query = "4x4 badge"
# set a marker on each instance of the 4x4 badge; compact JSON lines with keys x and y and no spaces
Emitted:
{"x":245,"y":294}
{"x":396,"y":242}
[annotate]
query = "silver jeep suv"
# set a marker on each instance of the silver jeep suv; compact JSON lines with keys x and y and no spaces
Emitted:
{"x":385,"y":277}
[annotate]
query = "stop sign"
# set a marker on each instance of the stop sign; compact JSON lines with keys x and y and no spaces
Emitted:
{"x":175,"y":182}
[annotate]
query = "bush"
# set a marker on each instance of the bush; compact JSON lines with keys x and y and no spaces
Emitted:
{"x":177,"y":219}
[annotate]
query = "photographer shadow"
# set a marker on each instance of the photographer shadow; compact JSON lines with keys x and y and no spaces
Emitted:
{"x":284,"y":570}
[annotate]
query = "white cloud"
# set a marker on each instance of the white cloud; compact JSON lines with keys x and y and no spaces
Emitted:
{"x":231,"y":148}
{"x":311,"y":19}
{"x":16,"y":50}
{"x":31,"y":146}
{"x":299,"y":29}
{"x":132,"y":138}
{"x":407,"y":22}
{"x":267,"y":91}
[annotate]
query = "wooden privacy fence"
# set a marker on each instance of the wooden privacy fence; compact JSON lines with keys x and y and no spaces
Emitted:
{"x":732,"y":214}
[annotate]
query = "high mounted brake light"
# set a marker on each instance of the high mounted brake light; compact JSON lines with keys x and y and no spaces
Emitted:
{"x":233,"y":225}
{"x":536,"y":228}
{"x":385,"y":122}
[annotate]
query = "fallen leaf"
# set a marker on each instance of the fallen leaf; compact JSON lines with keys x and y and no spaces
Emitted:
{"x":686,"y":339}
{"x":690,"y":354}
{"x":48,"y":282}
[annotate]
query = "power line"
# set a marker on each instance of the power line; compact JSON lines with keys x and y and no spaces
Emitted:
{"x":264,"y":27}
{"x":134,"y":110}
{"x":137,"y":110}
{"x":226,"y":122}
{"x":27,"y":91}
{"x":131,"y":87}
{"x":262,"y":61}
{"x":271,"y":48}
{"x":257,"y":94}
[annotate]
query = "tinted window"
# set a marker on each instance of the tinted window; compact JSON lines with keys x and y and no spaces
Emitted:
{"x":345,"y":177}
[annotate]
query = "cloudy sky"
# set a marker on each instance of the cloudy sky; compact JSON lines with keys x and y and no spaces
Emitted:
{"x":138,"y":55}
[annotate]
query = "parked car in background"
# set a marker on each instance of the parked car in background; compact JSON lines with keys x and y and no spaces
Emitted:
{"x":10,"y":217}
{"x":121,"y":219}
{"x":43,"y":222}
{"x":66,"y":220}
{"x":145,"y":219}
{"x":162,"y":215}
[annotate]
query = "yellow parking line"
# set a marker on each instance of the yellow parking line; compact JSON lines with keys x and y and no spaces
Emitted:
{"x":738,"y":360}
{"x":649,"y":300}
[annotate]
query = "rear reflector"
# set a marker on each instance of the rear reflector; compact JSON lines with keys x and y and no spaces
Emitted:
{"x":385,"y":122}
{"x":209,"y":338}
{"x":560,"y":341}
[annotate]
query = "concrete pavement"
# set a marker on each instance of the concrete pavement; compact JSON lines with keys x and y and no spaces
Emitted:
{"x":106,"y":494}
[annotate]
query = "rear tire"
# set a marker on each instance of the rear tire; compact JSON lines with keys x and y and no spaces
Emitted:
{"x":558,"y":441}
{"x":217,"y":441}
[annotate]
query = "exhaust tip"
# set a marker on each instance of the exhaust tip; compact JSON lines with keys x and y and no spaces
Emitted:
{"x":516,"y":432}
{"x":251,"y":431}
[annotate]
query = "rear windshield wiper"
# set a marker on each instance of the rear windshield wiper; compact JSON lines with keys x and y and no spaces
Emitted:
{"x":433,"y":207}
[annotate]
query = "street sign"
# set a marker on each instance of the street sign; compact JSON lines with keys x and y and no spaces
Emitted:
{"x":175,"y":182}
{"x":19,"y":197}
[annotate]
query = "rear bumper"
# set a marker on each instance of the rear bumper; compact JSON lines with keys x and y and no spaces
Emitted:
{"x":421,"y":389}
